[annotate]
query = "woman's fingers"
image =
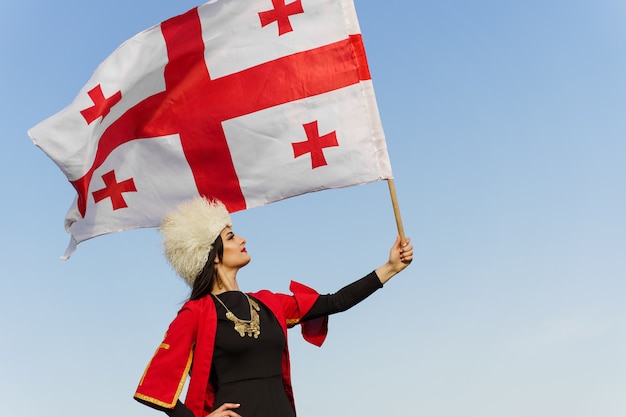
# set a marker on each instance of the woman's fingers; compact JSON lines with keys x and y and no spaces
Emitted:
{"x":406,"y":251}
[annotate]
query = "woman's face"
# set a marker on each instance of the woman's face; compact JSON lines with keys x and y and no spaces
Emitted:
{"x":235,"y":255}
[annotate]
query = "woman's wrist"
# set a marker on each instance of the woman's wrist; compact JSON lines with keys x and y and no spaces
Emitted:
{"x":385,"y":272}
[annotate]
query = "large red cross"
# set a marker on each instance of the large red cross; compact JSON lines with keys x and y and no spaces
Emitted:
{"x":202,"y":103}
{"x":280,"y":14}
{"x":113,"y":190}
{"x":314,"y":144}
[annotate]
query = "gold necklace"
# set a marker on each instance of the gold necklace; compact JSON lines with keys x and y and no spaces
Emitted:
{"x":251,"y":327}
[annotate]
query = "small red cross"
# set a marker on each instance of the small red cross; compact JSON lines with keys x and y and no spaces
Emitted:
{"x":314,"y":144}
{"x":280,"y":14}
{"x":101,"y":105}
{"x":113,"y":189}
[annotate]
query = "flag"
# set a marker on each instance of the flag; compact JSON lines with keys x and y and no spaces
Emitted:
{"x":248,"y":102}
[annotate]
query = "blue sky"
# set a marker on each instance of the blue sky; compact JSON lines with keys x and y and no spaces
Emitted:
{"x":505,"y":127}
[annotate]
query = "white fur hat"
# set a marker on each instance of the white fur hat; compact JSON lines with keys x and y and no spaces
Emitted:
{"x":189,"y":233}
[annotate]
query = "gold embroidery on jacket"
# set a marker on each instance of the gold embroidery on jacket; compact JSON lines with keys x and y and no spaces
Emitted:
{"x":161,"y":346}
{"x":181,"y":384}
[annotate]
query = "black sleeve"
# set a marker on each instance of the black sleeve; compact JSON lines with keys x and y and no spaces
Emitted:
{"x":347,"y":297}
{"x":179,"y":410}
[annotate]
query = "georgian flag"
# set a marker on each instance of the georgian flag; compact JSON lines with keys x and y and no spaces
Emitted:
{"x":249,"y":102}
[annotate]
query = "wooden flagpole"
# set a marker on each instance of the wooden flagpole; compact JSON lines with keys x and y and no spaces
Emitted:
{"x":396,"y":208}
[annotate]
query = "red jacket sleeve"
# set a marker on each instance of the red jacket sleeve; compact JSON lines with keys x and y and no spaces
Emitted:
{"x":165,"y":375}
{"x":289,"y":310}
{"x":313,"y":331}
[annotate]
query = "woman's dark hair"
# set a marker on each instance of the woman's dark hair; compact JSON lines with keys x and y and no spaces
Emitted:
{"x":206,"y":278}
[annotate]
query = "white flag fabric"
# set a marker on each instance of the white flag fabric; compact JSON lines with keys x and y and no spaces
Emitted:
{"x":245,"y":102}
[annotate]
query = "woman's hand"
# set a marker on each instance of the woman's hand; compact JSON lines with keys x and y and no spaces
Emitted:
{"x":225,"y":410}
{"x":400,"y":256}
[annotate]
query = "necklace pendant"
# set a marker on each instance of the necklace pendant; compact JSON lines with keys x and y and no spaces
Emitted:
{"x":250,"y":328}
{"x":240,"y":328}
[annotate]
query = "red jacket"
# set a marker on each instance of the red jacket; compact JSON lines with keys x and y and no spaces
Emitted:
{"x":190,"y":339}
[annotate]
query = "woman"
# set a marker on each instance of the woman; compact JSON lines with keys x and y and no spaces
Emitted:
{"x":232,"y":344}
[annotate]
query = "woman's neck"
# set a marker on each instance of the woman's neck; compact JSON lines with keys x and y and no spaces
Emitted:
{"x":226,"y":281}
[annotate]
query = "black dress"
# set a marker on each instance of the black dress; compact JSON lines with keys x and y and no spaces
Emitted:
{"x":248,"y":371}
